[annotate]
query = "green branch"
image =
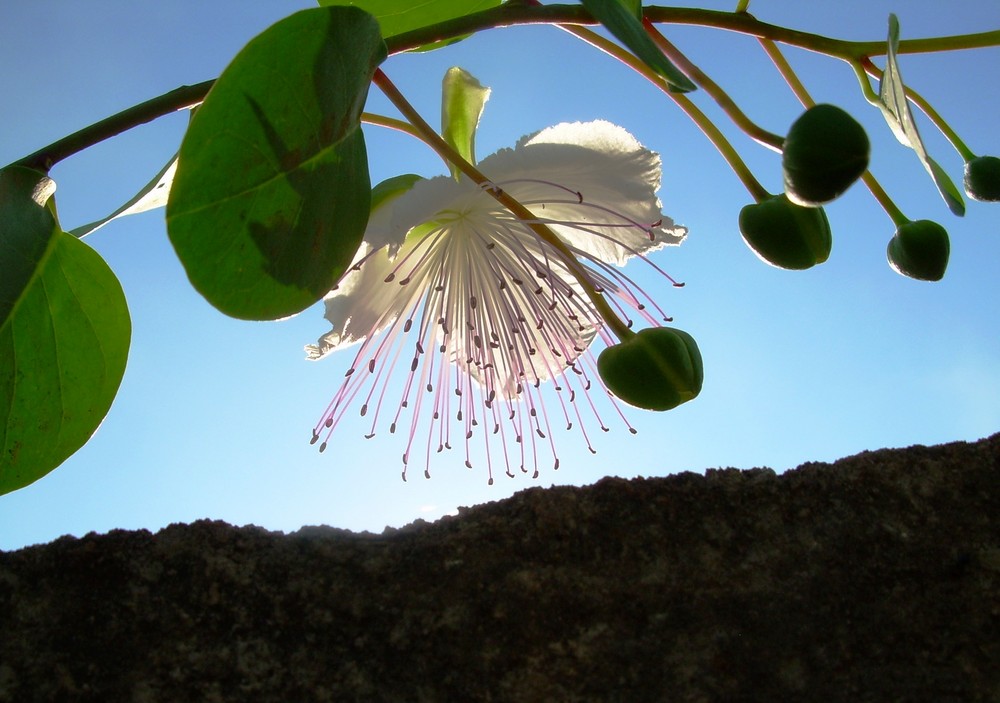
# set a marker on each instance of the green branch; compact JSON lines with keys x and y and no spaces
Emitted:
{"x":507,"y":15}
{"x":512,"y":14}
{"x":696,"y":115}
{"x":721,"y":97}
{"x":797,"y":87}
{"x":181,"y":98}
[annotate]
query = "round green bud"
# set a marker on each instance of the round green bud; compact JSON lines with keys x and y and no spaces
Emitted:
{"x":786,"y":235}
{"x":920,"y":250}
{"x":657,"y":368}
{"x":982,"y":178}
{"x":825,"y":151}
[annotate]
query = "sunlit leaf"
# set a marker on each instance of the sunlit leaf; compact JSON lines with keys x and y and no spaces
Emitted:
{"x":400,"y":16}
{"x":272,"y":192}
{"x":621,"y":19}
{"x":462,"y":102}
{"x":28,"y":232}
{"x":153,"y":195}
{"x":62,"y":358}
{"x":392,"y":188}
{"x":896,"y":109}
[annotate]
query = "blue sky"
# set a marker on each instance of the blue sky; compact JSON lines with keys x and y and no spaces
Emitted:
{"x":214,"y":415}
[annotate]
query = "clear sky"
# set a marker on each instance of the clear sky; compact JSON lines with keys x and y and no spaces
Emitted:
{"x":214,"y":415}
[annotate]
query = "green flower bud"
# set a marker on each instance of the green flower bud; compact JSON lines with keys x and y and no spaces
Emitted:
{"x":825,"y":151}
{"x":920,"y":250}
{"x":982,"y":178}
{"x":786,"y":235}
{"x":657,"y":368}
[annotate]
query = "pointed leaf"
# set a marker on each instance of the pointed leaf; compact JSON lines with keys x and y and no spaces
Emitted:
{"x":620,"y":18}
{"x":28,"y":231}
{"x":62,"y":358}
{"x":153,"y":195}
{"x":462,"y":101}
{"x":401,"y":16}
{"x":896,"y":109}
{"x":272,"y":192}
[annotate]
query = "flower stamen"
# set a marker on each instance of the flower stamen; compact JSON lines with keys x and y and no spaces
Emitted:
{"x":504,"y":285}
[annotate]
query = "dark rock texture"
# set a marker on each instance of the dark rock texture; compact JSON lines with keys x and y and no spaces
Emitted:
{"x":876,"y":578}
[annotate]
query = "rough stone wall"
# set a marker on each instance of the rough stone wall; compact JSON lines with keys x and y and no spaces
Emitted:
{"x":876,"y":578}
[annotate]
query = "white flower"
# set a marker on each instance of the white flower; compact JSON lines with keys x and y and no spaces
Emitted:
{"x":478,"y":310}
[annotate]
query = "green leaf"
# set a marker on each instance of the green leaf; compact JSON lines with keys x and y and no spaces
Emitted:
{"x":401,"y":16}
{"x":462,"y":101}
{"x":272,"y":192}
{"x":619,"y":17}
{"x":153,"y":195}
{"x":896,"y":110}
{"x":28,"y":231}
{"x":392,"y":188}
{"x":62,"y":358}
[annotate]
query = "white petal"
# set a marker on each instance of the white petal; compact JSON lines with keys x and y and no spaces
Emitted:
{"x":362,"y":305}
{"x":615,"y":176}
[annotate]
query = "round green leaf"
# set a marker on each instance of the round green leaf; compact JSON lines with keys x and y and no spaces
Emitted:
{"x":27,"y":232}
{"x":62,"y":358}
{"x":272,"y":193}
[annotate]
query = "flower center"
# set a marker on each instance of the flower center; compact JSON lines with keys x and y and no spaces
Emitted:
{"x":484,"y":312}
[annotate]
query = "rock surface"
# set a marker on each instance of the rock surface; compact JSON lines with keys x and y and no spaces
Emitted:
{"x":876,"y":578}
